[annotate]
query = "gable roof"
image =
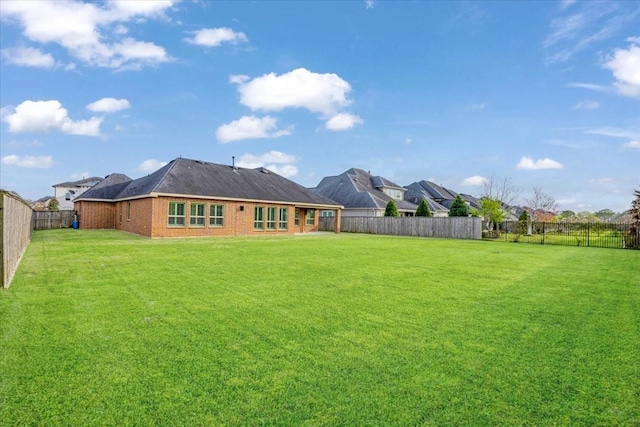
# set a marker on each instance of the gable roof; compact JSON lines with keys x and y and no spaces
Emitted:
{"x":187,"y":177}
{"x":356,"y":188}
{"x":107,"y":189}
{"x":85,"y":182}
{"x":436,"y":192}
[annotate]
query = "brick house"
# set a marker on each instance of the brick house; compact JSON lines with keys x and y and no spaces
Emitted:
{"x":192,"y":198}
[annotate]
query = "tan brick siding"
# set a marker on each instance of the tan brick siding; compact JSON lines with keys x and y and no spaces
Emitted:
{"x":95,"y":215}
{"x":149,"y":217}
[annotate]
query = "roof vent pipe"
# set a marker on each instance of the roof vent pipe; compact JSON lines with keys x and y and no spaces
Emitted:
{"x":233,"y":162}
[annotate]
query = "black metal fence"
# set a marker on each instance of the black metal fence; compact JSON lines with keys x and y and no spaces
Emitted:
{"x":589,"y":234}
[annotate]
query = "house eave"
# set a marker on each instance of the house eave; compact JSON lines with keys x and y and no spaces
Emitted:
{"x":238,"y":199}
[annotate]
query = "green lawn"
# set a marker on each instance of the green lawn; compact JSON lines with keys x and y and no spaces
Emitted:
{"x":106,"y":328}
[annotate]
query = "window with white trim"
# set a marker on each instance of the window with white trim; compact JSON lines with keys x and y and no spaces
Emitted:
{"x":197,"y":215}
{"x":258,"y":218}
{"x":176,"y":214}
{"x":296,"y":216}
{"x":216,"y":215}
{"x":283,"y":219}
{"x":271,"y":218}
{"x":311,"y":217}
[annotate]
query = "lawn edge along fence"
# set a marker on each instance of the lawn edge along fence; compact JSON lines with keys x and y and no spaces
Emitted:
{"x":448,"y":227}
{"x":588,"y":234}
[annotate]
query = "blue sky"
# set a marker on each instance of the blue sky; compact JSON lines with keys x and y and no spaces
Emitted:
{"x":544,"y":93}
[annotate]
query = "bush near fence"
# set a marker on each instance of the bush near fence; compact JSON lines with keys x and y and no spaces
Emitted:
{"x":588,"y":234}
{"x":454,"y":227}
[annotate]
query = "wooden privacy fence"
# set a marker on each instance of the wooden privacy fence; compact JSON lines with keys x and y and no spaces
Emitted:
{"x":15,"y":231}
{"x":52,"y":219}
{"x":449,"y":227}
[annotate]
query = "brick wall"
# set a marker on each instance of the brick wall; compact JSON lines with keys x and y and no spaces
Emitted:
{"x":149,"y":217}
{"x":95,"y":215}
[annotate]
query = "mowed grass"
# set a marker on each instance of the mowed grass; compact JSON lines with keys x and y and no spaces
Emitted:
{"x":106,"y":328}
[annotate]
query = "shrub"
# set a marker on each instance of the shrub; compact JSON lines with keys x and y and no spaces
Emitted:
{"x":391,"y":209}
{"x":423,"y":209}
{"x":459,"y":207}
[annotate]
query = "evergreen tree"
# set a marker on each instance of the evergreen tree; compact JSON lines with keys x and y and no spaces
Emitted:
{"x":459,"y":207}
{"x":391,"y":209}
{"x":53,"y":205}
{"x":523,"y":222}
{"x":423,"y":209}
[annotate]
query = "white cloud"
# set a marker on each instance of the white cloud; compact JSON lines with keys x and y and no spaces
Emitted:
{"x":615,"y":132}
{"x":590,"y":86}
{"x":212,"y":37}
{"x":250,"y":127}
{"x":476,"y":107}
{"x":28,"y":161}
{"x":91,"y":32}
{"x":343,"y":121}
{"x":635,"y":40}
{"x":473,"y":181}
{"x":584,"y":25}
{"x":150,"y":165}
{"x":238,"y":78}
{"x":527,"y":163}
{"x":625,"y":65}
{"x":632,"y":144}
{"x":604,"y":180}
{"x":276,"y":161}
{"x":369,"y":4}
{"x":586,"y":105}
{"x":47,"y":116}
{"x":108,"y":105}
{"x":28,"y":57}
{"x":300,"y":88}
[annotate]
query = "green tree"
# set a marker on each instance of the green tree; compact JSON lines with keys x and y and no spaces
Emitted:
{"x":391,"y":209}
{"x":459,"y":207}
{"x":491,"y":211}
{"x":606,"y":215}
{"x":423,"y":208}
{"x":53,"y":205}
{"x":567,"y":215}
{"x":633,"y":241}
{"x":523,"y":222}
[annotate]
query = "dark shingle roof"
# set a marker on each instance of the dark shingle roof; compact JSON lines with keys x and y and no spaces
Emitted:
{"x":436,"y":192}
{"x":80,"y":183}
{"x":356,"y":188}
{"x":108,"y":188}
{"x":198,"y":178}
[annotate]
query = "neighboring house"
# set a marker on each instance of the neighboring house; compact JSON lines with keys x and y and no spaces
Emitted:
{"x":197,"y":198}
{"x":416,"y":192}
{"x":42,"y":204}
{"x":471,"y":201}
{"x":66,"y":192}
{"x":439,"y":194}
{"x":442,"y":196}
{"x":363,"y":194}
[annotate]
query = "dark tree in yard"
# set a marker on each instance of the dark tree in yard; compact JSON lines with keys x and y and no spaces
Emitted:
{"x":423,"y":209}
{"x":634,"y":230}
{"x":459,"y":207}
{"x":523,"y":222}
{"x":391,"y":209}
{"x":53,"y":205}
